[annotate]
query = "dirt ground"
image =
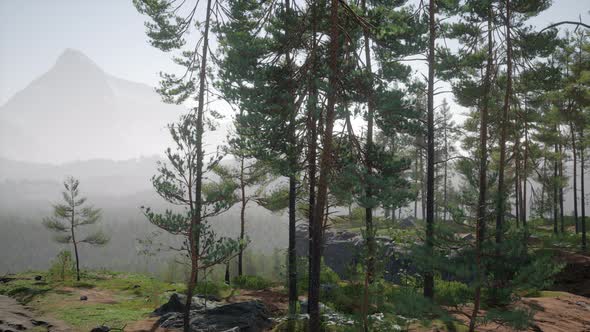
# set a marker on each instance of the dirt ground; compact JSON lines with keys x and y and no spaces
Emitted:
{"x":563,"y":313}
{"x":93,"y":296}
{"x":15,"y":317}
{"x":276,"y":302}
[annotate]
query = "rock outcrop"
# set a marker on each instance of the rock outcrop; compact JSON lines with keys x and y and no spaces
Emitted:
{"x":214,"y":316}
{"x":343,"y":251}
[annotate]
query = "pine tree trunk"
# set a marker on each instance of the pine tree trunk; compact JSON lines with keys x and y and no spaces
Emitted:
{"x":195,"y":227}
{"x":416,"y":182}
{"x":242,"y":216}
{"x":75,"y":249}
{"x":429,"y":274}
{"x":422,"y":187}
{"x":370,"y":232}
{"x":501,"y":199}
{"x":516,"y":182}
{"x":227,"y":275}
{"x":325,"y":166}
{"x":292,"y":249}
{"x":524,"y":180}
{"x":445,"y":175}
{"x":561,"y":217}
{"x":312,"y":139}
{"x":73,"y":234}
{"x":369,"y":155}
{"x":582,"y":193}
{"x":575,"y":177}
{"x":483,"y":175}
{"x":543,"y":186}
{"x":292,"y":157}
{"x":555,"y":190}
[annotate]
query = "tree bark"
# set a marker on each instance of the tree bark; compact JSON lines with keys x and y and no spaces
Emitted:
{"x":445,"y":171}
{"x":242,"y":216}
{"x":369,"y":155}
{"x":312,"y":139}
{"x":561,"y":217}
{"x":524,"y":181}
{"x":416,"y":181}
{"x":582,"y":193}
{"x":555,"y":189}
{"x":516,"y":183}
{"x":429,"y":274}
{"x":73,"y":221}
{"x":325,"y":165}
{"x":292,"y":157}
{"x":370,"y":232}
{"x":483,"y":175}
{"x":501,"y":199}
{"x":575,"y":176}
{"x":195,"y":227}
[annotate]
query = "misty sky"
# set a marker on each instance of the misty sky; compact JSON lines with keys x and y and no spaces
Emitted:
{"x":34,"y":32}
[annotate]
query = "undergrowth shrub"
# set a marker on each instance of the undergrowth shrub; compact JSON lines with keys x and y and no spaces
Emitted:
{"x":327,"y":275}
{"x":451,"y":293}
{"x":251,"y":282}
{"x":211,"y":288}
{"x":62,"y":267}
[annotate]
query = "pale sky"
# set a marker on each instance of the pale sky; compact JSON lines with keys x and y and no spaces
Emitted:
{"x":34,"y":32}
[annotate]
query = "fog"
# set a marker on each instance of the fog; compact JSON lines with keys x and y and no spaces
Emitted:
{"x":109,"y":133}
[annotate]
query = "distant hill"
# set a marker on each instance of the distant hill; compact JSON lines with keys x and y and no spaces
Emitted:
{"x":76,"y":111}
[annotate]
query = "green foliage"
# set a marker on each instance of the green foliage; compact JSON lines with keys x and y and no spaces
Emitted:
{"x":517,"y":318}
{"x":412,"y":304}
{"x":251,"y":282}
{"x":539,"y":273}
{"x":346,"y":298}
{"x":215,"y":288}
{"x":68,"y":217}
{"x":327,"y":275}
{"x":62,"y":268}
{"x":86,"y":317}
{"x":134,"y":296}
{"x":276,"y":200}
{"x":452,"y":293}
{"x":24,"y":288}
{"x":176,"y":184}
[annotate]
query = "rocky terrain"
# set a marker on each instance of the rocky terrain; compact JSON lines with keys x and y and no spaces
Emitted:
{"x":15,"y":317}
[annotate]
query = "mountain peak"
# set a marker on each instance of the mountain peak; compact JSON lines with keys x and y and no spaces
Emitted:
{"x":75,"y":59}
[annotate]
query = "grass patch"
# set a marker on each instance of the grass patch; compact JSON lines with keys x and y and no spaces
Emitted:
{"x":218,"y":289}
{"x":86,"y":316}
{"x":251,"y":282}
{"x":134,"y":297}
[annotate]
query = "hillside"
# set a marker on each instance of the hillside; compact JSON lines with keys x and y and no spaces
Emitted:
{"x":76,"y":111}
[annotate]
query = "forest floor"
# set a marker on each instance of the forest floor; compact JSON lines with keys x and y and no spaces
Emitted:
{"x":553,"y":312}
{"x":122,"y":300}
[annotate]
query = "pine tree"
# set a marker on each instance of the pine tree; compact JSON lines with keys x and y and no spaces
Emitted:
{"x":68,"y":217}
{"x":250,"y":175}
{"x":258,"y":74}
{"x":175,"y":183}
{"x":167,"y":31}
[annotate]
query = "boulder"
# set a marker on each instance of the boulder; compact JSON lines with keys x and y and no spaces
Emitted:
{"x":175,"y":304}
{"x":343,"y":251}
{"x":251,"y":316}
{"x":102,"y":328}
{"x":83,"y":298}
{"x":407,"y":222}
